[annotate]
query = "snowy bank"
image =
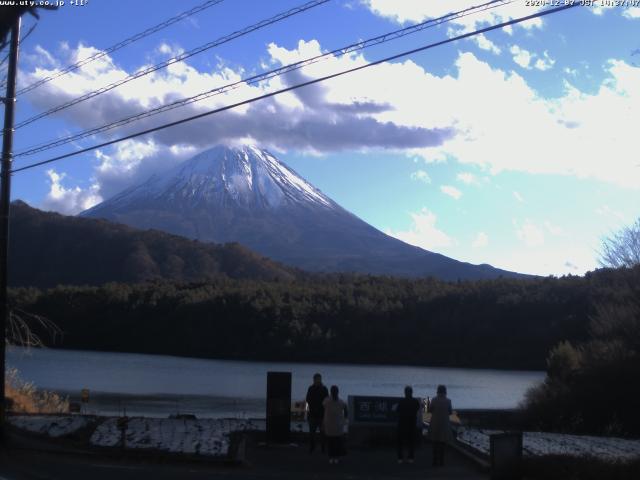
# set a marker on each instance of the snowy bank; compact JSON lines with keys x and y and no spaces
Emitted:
{"x":208,"y":437}
{"x":53,"y":426}
{"x":541,"y":443}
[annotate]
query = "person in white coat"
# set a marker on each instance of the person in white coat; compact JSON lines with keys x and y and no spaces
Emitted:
{"x":335,"y":414}
{"x":440,"y":427}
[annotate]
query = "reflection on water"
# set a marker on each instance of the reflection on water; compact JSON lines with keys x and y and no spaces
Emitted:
{"x":158,"y":384}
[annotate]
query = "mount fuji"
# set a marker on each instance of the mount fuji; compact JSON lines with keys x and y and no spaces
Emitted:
{"x":246,"y":195}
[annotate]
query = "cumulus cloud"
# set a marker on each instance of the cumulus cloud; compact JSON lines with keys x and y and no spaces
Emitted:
{"x":530,"y":234}
{"x":632,"y":12}
{"x":586,"y":135}
{"x":555,"y":230}
{"x":360,"y":112}
{"x":419,"y":10}
{"x":421,"y":176}
{"x":311,"y":119}
{"x":529,"y":60}
{"x":481,"y":240}
{"x":467,"y":178}
{"x":521,"y":56}
{"x":453,"y":192}
{"x":609,"y":213}
{"x":69,"y":200}
{"x":423,"y":232}
{"x":485,"y":44}
{"x":405,"y":11}
{"x":545,"y":62}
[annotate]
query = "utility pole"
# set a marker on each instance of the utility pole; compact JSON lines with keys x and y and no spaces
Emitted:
{"x":5,"y":200}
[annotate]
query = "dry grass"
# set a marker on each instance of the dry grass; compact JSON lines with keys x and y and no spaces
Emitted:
{"x":25,"y":397}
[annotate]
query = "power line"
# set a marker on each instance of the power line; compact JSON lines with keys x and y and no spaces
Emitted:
{"x":300,"y":85}
{"x":26,"y":35}
{"x":119,"y":45}
{"x":176,"y":59}
{"x":3,"y":83}
{"x":264,"y":76}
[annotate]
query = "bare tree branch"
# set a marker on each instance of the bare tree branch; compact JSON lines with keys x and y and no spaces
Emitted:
{"x":21,"y":327}
{"x":622,"y":249}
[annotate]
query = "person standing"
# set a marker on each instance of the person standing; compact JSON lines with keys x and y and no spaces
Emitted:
{"x":335,"y":414}
{"x":440,"y":427}
{"x":408,"y":409}
{"x":316,"y":394}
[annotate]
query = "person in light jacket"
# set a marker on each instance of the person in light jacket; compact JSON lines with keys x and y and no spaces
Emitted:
{"x":440,"y":428}
{"x":335,"y":414}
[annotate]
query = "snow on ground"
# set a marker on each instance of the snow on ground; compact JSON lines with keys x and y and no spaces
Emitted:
{"x":50,"y":425}
{"x":202,"y":437}
{"x":542,"y":443}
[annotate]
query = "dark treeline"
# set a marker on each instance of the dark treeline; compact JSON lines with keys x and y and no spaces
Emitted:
{"x":48,"y":249}
{"x":503,"y":323}
{"x":592,"y":385}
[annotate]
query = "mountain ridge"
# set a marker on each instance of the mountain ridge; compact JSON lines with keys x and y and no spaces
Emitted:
{"x":246,"y":195}
{"x":48,"y":249}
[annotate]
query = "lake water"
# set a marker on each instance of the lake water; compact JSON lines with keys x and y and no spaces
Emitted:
{"x":160,"y":384}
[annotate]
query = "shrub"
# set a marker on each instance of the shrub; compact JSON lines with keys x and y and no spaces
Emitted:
{"x":25,"y":397}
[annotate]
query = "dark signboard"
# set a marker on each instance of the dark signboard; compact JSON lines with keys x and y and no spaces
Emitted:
{"x":278,"y":406}
{"x":373,"y":410}
{"x":506,"y":456}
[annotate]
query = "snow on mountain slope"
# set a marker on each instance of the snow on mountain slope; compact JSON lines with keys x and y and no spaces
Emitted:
{"x":246,"y":175}
{"x":246,"y":195}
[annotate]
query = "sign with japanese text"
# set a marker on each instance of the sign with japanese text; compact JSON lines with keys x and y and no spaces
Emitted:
{"x":373,"y":410}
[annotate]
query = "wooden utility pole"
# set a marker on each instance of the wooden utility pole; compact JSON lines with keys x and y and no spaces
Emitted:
{"x":5,"y":201}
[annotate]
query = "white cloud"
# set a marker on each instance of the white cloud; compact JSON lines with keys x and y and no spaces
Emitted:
{"x":45,"y":57}
{"x":496,"y":111}
{"x":631,"y":12}
{"x":518,"y":197}
{"x":528,"y":60}
{"x":568,"y":259}
{"x":453,"y":192}
{"x":481,"y":240}
{"x":69,"y":200}
{"x":555,"y":230}
{"x":316,"y":119}
{"x":467,"y":178}
{"x":127,"y":157}
{"x":609,"y":213}
{"x":423,"y":232}
{"x":544,"y":63}
{"x":628,"y":11}
{"x":403,"y":11}
{"x":530,"y":234}
{"x":521,"y":56}
{"x":421,"y":176}
{"x":485,"y":44}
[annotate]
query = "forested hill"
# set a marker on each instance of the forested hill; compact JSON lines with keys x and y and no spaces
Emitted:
{"x":502,"y":323}
{"x":48,"y":249}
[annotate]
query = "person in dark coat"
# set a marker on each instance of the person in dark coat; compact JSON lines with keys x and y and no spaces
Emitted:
{"x":440,"y":428}
{"x":315,"y":396}
{"x":408,"y":409}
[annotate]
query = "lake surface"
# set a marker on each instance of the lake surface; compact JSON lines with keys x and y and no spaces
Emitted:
{"x":160,"y":384}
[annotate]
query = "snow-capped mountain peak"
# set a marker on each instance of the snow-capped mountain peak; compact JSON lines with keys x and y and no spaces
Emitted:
{"x":246,"y":175}
{"x":246,"y":195}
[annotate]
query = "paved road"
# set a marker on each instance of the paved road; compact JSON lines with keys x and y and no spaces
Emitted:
{"x":289,"y":462}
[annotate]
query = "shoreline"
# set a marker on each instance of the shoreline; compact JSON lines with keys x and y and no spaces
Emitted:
{"x":287,"y":362}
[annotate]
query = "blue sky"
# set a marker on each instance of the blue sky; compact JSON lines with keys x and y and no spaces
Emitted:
{"x":517,"y":148}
